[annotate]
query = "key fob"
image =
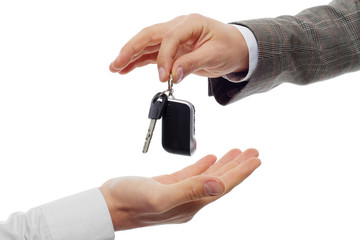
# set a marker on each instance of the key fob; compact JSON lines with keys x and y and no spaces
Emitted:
{"x":178,"y":127}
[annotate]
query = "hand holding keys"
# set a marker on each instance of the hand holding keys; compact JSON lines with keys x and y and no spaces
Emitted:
{"x":178,"y":123}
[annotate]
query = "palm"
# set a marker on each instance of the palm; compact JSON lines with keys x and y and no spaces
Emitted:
{"x":176,"y":198}
{"x":224,"y":168}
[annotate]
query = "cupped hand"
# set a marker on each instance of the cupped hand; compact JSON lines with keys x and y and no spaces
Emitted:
{"x":184,"y":45}
{"x":137,"y":202}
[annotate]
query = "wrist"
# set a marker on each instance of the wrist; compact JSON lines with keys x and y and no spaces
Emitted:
{"x":241,"y":51}
{"x":120,"y":215}
{"x":109,"y":204}
{"x":252,"y":54}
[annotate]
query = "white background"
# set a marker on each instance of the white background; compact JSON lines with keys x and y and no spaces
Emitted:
{"x":67,"y":124}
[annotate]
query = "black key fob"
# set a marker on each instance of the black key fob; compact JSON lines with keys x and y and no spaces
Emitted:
{"x":178,"y":127}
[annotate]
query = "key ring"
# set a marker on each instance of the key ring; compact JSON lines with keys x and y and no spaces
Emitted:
{"x":170,"y":89}
{"x":170,"y":85}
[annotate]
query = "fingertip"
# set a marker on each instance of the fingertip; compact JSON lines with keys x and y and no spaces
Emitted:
{"x":112,"y":69}
{"x":116,"y":65}
{"x":161,"y":72}
{"x":122,"y":60}
{"x":250,"y":164}
{"x":207,"y":161}
{"x":211,"y":158}
{"x":252,"y":152}
{"x":179,"y":74}
{"x":257,"y":162}
{"x":235,"y":151}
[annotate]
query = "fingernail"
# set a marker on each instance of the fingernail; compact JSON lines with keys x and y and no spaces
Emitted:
{"x":179,"y":74}
{"x":112,"y":68}
{"x":161,"y":73}
{"x":214,"y":188}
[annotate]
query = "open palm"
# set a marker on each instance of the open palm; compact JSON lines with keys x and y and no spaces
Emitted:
{"x":176,"y":198}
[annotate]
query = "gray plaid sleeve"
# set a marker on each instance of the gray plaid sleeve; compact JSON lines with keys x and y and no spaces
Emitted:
{"x":317,"y":44}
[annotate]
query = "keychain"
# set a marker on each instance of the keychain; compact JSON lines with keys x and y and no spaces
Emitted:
{"x":178,"y":122}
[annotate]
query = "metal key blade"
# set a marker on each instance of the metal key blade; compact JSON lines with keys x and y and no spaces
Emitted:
{"x":149,"y":135}
{"x":157,"y":107}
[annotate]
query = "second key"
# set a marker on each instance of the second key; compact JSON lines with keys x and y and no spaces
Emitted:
{"x":157,"y":108}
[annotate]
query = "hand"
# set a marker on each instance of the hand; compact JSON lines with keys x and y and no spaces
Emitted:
{"x":187,"y":44}
{"x":136,"y":201}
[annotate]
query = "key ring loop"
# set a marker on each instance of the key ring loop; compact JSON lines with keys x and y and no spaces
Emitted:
{"x":170,"y":85}
{"x":170,"y":89}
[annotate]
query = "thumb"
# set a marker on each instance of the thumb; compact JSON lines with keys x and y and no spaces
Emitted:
{"x":192,"y":189}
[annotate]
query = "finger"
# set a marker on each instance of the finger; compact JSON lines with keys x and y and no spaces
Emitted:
{"x":200,"y":59}
{"x":196,"y":169}
{"x":238,"y":174}
{"x":147,"y":38}
{"x":166,"y":179}
{"x":190,"y":190}
{"x":183,"y":32}
{"x":249,"y":153}
{"x":150,"y":50}
{"x":192,"y":170}
{"x":147,"y":50}
{"x":229,"y":156}
{"x":143,"y":61}
{"x":120,"y":62}
{"x":126,"y":57}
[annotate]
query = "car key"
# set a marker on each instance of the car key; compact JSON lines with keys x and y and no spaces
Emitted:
{"x":178,"y":127}
{"x":157,"y":108}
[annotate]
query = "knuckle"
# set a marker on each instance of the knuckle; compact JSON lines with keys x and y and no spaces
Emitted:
{"x":178,"y":19}
{"x":146,"y":30}
{"x":190,"y":66}
{"x":148,"y":33}
{"x":194,"y":16}
{"x":192,"y":193}
{"x":169,"y":35}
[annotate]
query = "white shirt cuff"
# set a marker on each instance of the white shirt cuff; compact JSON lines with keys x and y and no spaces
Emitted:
{"x":81,"y":216}
{"x":253,"y":55}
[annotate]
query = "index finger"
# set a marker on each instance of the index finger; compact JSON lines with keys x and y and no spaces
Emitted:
{"x":133,"y":48}
{"x":196,"y":168}
{"x":149,"y":36}
{"x":240,"y":173}
{"x":187,"y":30}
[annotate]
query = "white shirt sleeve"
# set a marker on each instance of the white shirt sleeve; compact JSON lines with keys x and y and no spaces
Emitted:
{"x":253,"y":55}
{"x":81,"y":216}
